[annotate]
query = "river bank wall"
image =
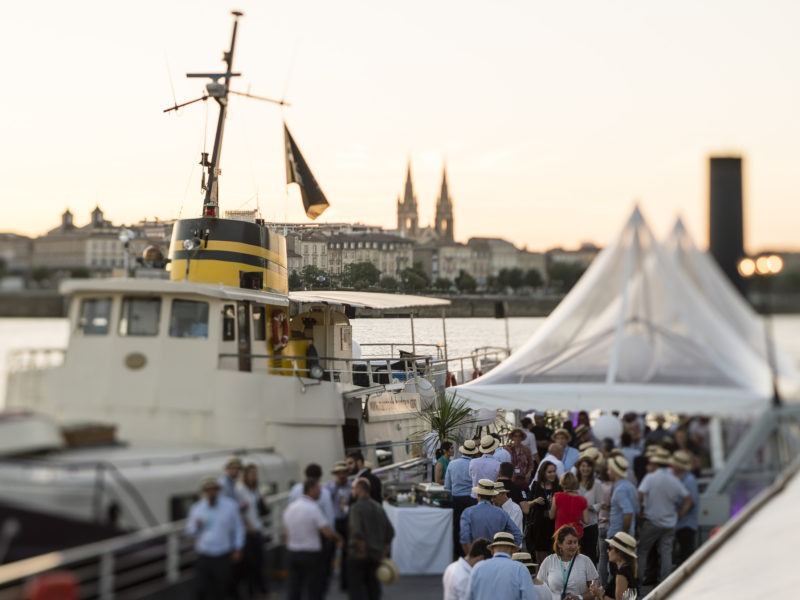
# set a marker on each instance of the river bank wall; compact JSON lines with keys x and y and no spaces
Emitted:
{"x":49,"y":303}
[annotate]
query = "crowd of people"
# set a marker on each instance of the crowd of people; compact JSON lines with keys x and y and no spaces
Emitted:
{"x":341,"y":517}
{"x":553,"y":513}
{"x":563,"y":514}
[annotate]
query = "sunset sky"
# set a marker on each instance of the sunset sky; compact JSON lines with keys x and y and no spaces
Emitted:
{"x":554,"y":118}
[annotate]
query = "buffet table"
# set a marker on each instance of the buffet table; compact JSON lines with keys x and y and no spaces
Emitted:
{"x":423,"y":538}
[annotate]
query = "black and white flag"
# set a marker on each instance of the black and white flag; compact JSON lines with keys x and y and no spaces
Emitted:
{"x":297,"y":171}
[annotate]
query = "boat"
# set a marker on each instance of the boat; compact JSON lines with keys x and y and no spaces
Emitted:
{"x":164,"y":377}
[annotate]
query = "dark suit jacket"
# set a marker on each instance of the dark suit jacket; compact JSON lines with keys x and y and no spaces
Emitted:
{"x":375,"y":486}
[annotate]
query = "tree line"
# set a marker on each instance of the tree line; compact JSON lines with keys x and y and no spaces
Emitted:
{"x":365,"y":275}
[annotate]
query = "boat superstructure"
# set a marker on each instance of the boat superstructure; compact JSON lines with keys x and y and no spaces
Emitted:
{"x":217,"y":358}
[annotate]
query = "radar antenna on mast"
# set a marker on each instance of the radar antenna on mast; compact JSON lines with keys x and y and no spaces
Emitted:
{"x":218,"y":89}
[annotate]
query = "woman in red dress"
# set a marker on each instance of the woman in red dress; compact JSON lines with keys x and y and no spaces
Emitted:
{"x":569,"y":507}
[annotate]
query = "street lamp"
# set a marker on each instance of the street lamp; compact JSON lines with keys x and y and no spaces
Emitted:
{"x":766,"y":267}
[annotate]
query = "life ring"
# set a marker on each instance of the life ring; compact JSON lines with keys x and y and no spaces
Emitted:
{"x":280,"y":331}
{"x":450,"y":380}
{"x":477,"y":372}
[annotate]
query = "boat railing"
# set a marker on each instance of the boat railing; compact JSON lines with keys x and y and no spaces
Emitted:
{"x":371,"y":371}
{"x":392,"y":346}
{"x":152,"y":559}
{"x":32,"y":359}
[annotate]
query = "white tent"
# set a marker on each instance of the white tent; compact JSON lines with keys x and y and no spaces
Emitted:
{"x":723,"y":566}
{"x":634,"y":333}
{"x":708,"y":278}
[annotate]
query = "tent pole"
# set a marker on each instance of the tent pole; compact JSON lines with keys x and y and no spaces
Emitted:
{"x":611,"y":375}
{"x":413,"y":341}
{"x":444,"y":333}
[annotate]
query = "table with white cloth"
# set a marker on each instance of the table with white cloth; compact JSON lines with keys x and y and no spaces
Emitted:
{"x":423,"y":538}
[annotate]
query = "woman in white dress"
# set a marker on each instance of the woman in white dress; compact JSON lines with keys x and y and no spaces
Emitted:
{"x":568,"y":573}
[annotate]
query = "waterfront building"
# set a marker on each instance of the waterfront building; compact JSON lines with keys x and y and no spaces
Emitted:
{"x":100,"y":248}
{"x":583,"y":256}
{"x":67,"y":247}
{"x":391,"y":254}
{"x":15,"y":253}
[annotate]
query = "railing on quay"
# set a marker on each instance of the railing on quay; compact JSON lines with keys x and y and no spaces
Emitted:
{"x":146,"y":561}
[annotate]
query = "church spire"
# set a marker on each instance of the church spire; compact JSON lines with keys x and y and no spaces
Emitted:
{"x":444,"y":211}
{"x":407,"y":214}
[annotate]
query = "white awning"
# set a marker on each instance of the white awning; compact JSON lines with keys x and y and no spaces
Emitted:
{"x":372,"y":300}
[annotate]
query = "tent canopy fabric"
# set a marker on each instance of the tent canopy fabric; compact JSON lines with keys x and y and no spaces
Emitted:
{"x":635,"y":333}
{"x":716,"y":288}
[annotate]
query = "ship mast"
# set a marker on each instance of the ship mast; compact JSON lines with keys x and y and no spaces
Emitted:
{"x":218,"y":90}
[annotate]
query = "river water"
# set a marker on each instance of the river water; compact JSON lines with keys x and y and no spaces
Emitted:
{"x":463,"y":335}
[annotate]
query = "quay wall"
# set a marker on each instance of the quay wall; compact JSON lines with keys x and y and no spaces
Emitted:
{"x":33,"y":303}
{"x":49,"y":303}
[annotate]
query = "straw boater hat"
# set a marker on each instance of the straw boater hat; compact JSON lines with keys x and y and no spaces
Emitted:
{"x":581,"y":429}
{"x":233,"y":461}
{"x":659,"y":456}
{"x":468,"y":448}
{"x":561,"y":431}
{"x":517,"y":430}
{"x":619,"y":465}
{"x":585,"y":445}
{"x":623,"y":542}
{"x":488,"y":444}
{"x":339,"y":467}
{"x":503,"y":538}
{"x":209,"y":483}
{"x":682,"y":460}
{"x":485,"y":488}
{"x":525,"y":559}
{"x":500,"y":488}
{"x":387,"y":571}
{"x":592,"y":453}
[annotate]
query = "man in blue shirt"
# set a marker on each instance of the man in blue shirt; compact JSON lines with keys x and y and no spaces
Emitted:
{"x":686,"y":528}
{"x":624,"y":498}
{"x":227,"y":481}
{"x":458,"y":482}
{"x":485,"y":467}
{"x":484,"y":519}
{"x":501,"y":455}
{"x":216,"y":523}
{"x":501,"y":577}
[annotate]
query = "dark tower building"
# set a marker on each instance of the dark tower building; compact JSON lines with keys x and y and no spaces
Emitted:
{"x":407,"y":216}
{"x":444,"y":212}
{"x":726,"y":220}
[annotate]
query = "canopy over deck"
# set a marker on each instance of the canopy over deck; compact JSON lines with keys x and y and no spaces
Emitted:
{"x":635,"y":333}
{"x":372,"y":300}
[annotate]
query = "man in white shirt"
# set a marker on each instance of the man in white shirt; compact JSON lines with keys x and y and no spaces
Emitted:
{"x":303,"y":522}
{"x":456,"y":576}
{"x":554,"y":454}
{"x":507,"y":504}
{"x":660,"y":494}
{"x":325,"y":501}
{"x":216,"y":524}
{"x":530,"y":437}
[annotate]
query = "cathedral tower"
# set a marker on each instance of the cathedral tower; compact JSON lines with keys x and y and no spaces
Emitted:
{"x":407,"y":215}
{"x":444,"y":212}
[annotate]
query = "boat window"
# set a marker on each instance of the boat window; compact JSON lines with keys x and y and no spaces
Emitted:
{"x":229,"y":323}
{"x":95,"y":316}
{"x":139,"y":316}
{"x":189,"y":319}
{"x":259,"y":323}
